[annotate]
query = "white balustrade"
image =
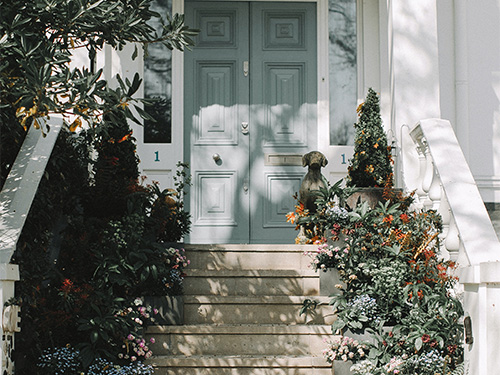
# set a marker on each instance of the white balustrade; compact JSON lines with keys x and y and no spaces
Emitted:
{"x":16,"y":198}
{"x":436,"y":169}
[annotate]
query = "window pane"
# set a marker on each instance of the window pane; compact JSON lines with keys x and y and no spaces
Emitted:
{"x":343,"y":70}
{"x":158,"y":84}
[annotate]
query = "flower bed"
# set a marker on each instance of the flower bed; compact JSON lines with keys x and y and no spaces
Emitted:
{"x":396,"y":286}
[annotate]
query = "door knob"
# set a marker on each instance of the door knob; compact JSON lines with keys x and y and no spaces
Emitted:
{"x":244,"y":127}
{"x":216,"y":157}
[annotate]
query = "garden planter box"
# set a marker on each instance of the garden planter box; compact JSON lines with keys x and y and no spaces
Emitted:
{"x":341,"y":367}
{"x":327,"y":281}
{"x":170,"y":309}
{"x":372,"y":195}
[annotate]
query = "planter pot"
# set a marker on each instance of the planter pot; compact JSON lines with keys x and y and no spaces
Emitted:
{"x":342,"y":368}
{"x":361,"y":337}
{"x":371,"y":195}
{"x":327,"y":281}
{"x":170,"y":309}
{"x":338,"y":243}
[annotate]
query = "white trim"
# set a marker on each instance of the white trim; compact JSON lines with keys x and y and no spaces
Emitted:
{"x":369,"y":74}
{"x":178,"y":94}
{"x":323,"y":95}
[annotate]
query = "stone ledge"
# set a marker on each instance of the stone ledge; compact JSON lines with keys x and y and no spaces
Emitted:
{"x":483,"y":273}
{"x":241,"y":361}
{"x":234,"y":329}
{"x":259,"y":248}
{"x":252,"y":273}
{"x":251,"y":300}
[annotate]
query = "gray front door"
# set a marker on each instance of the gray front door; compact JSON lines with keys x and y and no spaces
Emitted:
{"x":250,"y":114}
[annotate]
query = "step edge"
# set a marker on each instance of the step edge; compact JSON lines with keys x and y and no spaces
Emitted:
{"x":252,"y":273}
{"x":253,"y":299}
{"x":239,"y":361}
{"x":249,"y":247}
{"x":251,"y":329}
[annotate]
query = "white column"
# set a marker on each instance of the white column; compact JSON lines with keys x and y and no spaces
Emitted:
{"x":461,"y":76}
{"x":414,"y":62}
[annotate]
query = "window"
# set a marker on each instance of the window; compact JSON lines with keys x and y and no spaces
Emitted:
{"x":158,"y":84}
{"x":342,"y":48}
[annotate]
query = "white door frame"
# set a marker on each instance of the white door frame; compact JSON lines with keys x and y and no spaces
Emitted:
{"x":158,"y":160}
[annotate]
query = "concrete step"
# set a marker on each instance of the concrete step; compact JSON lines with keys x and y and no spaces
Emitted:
{"x":235,"y":340}
{"x":251,"y":282}
{"x":253,"y":310}
{"x":245,"y":257}
{"x":241,"y":365}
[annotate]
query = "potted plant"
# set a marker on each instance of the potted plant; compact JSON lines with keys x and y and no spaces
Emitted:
{"x":398,"y":289}
{"x":371,"y":167}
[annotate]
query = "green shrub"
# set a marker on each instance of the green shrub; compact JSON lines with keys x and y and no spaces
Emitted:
{"x":371,"y":165}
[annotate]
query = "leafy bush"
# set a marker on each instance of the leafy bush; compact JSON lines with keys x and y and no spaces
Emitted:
{"x":395,"y":286}
{"x":66,"y":361}
{"x":82,"y":267}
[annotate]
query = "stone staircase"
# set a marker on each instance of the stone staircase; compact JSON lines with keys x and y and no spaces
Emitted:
{"x":241,"y":315}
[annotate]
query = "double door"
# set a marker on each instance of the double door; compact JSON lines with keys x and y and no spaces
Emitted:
{"x":250,"y":115}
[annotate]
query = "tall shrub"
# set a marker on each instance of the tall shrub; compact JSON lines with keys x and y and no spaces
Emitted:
{"x":371,"y":165}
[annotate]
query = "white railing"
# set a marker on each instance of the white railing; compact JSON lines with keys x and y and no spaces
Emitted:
{"x":16,"y":198}
{"x":434,"y":166}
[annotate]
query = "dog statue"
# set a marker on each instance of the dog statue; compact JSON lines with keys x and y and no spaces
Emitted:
{"x":313,"y":180}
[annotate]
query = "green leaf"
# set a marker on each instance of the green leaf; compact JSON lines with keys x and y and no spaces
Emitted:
{"x":418,"y":343}
{"x":94,"y":336}
{"x":337,"y":325}
{"x":136,"y":52}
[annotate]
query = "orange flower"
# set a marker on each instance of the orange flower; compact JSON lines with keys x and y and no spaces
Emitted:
{"x":125,"y":137}
{"x":388,"y":219}
{"x":290,"y":217}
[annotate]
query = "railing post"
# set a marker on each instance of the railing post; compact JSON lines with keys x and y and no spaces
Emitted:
{"x":16,"y":198}
{"x":469,"y":237}
{"x":9,"y":274}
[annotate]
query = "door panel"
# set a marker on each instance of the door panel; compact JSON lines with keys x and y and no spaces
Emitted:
{"x":283,"y":114}
{"x":216,"y":101}
{"x":250,"y":94}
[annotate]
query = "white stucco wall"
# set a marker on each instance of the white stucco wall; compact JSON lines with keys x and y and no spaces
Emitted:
{"x":483,"y":63}
{"x":445,"y":63}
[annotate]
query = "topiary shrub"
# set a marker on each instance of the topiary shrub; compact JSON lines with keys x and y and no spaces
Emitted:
{"x":371,"y":165}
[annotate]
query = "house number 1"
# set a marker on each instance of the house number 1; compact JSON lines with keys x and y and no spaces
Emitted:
{"x":343,"y":159}
{"x":157,"y":155}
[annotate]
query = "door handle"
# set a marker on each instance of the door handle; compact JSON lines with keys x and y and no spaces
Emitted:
{"x":244,"y":127}
{"x":245,"y":68}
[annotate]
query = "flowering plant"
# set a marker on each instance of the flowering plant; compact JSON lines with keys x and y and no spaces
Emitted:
{"x":330,"y":213}
{"x":371,"y":165}
{"x":346,"y":349}
{"x":66,"y":360}
{"x":388,"y":260}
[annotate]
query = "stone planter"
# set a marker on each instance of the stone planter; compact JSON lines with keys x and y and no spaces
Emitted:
{"x":327,"y":281}
{"x":371,"y":195}
{"x":341,"y":368}
{"x":170,"y":309}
